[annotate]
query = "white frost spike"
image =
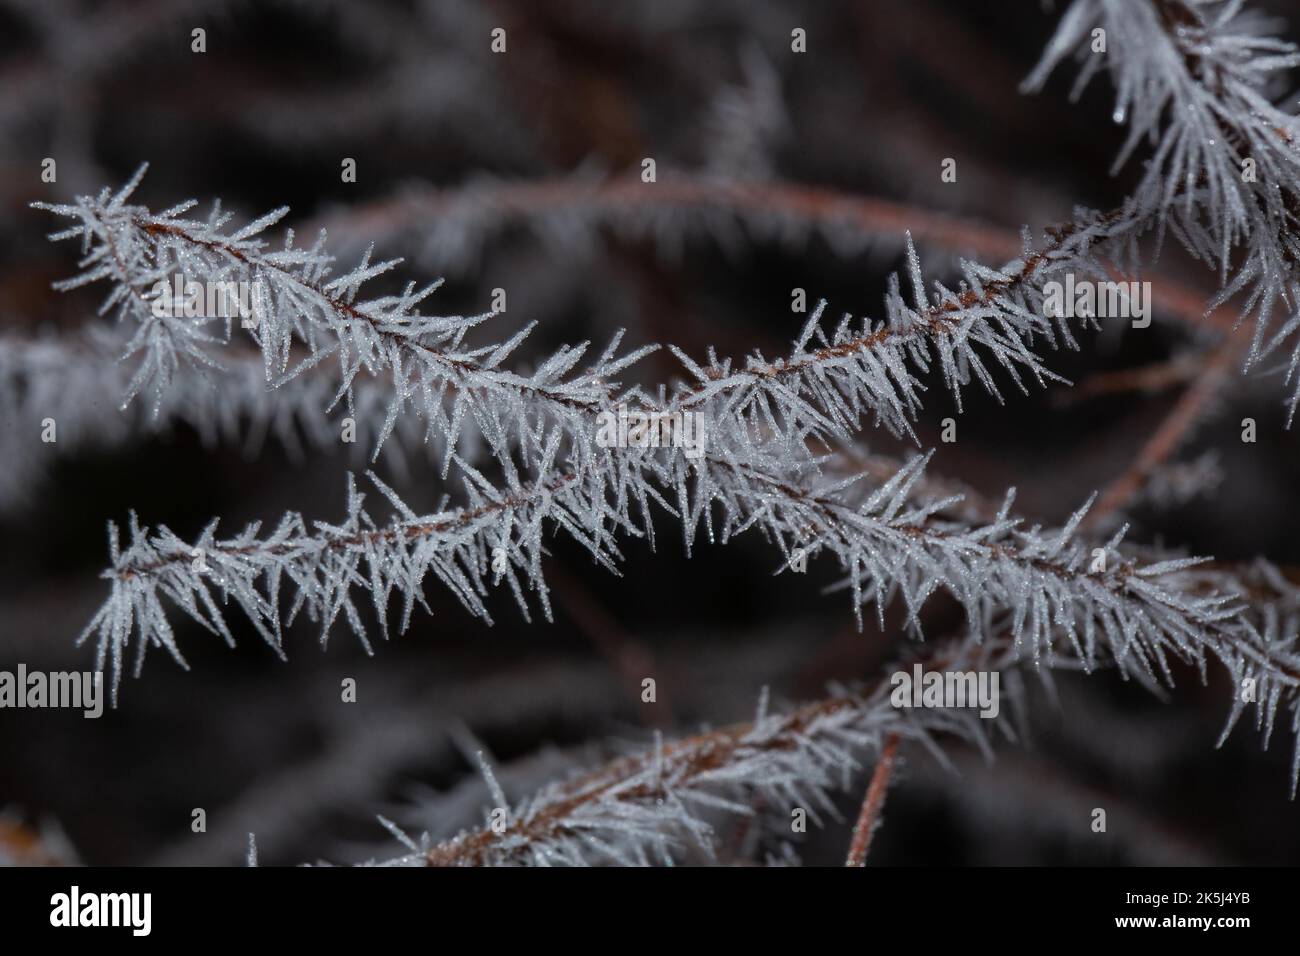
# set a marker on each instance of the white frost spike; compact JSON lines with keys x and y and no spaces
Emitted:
{"x":494,"y":788}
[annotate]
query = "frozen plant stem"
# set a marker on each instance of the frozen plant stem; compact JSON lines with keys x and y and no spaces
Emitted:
{"x":873,"y":803}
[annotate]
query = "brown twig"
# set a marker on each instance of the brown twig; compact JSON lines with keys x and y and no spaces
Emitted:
{"x":811,"y":205}
{"x":808,"y":205}
{"x":1180,"y":420}
{"x":630,"y":658}
{"x":873,"y":803}
{"x":1149,"y":379}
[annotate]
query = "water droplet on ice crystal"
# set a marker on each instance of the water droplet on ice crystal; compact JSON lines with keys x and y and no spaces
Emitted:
{"x":1118,"y":115}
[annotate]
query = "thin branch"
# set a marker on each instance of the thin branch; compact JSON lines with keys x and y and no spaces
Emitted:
{"x":873,"y":803}
{"x":1148,"y":379}
{"x":1172,"y":431}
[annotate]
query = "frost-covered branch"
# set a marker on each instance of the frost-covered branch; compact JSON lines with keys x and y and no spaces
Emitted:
{"x":500,"y":531}
{"x":294,"y":302}
{"x":1040,"y":586}
{"x":1053,"y":589}
{"x":827,"y":383}
{"x":646,"y":809}
{"x":497,"y":537}
{"x":1199,"y":79}
{"x":652,"y":807}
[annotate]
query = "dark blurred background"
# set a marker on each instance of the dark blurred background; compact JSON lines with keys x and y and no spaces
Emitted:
{"x":712,"y":91}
